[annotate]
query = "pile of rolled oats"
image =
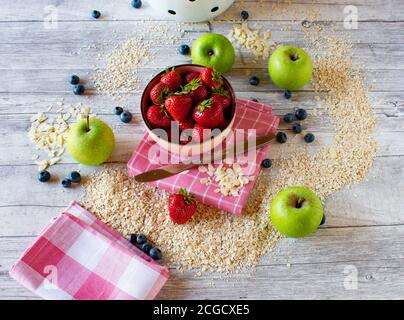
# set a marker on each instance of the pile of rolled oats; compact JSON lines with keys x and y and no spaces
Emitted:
{"x":117,"y":71}
{"x":120,"y":74}
{"x":212,"y":240}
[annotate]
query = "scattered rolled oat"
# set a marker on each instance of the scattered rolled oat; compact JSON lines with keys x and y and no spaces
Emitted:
{"x":341,"y":90}
{"x":119,"y":77}
{"x":120,"y":74}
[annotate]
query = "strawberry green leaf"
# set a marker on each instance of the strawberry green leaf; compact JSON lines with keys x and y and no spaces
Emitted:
{"x":188,"y":197}
{"x":164,"y":110}
{"x":180,"y":93}
{"x":169,"y":69}
{"x":165,"y":93}
{"x":205,"y":104}
{"x":191,"y":86}
{"x":217,"y":77}
{"x":221,"y":91}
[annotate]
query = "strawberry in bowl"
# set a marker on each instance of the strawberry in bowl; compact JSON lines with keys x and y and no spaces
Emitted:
{"x":194,"y":98}
{"x":209,"y":113}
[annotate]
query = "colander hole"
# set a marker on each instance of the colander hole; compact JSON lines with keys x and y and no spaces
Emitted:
{"x":214,"y":9}
{"x":172,"y":12}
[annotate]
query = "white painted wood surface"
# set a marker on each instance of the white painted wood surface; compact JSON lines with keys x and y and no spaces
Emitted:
{"x":365,"y":225}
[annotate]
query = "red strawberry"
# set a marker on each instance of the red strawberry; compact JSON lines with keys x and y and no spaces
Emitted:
{"x":199,"y":94}
{"x":209,"y":113}
{"x":211,"y":78}
{"x":181,"y":206}
{"x":186,"y":124}
{"x":184,"y":142}
{"x":185,"y":138}
{"x":200,"y":133}
{"x":196,"y":90}
{"x":222,"y":96}
{"x":191,"y":76}
{"x":186,"y":127}
{"x":172,"y":79}
{"x":159,"y":93}
{"x":158,"y":117}
{"x":178,"y":106}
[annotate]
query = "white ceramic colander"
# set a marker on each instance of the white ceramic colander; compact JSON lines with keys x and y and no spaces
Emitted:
{"x":190,"y":10}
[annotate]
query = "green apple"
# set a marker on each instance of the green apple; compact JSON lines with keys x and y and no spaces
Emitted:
{"x":213,"y":50}
{"x":296,"y":212}
{"x":290,"y":67}
{"x":90,"y":141}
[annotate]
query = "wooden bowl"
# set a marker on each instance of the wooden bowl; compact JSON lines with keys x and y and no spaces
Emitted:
{"x":190,"y":149}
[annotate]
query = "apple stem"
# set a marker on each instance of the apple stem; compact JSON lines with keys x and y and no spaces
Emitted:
{"x":299,"y":203}
{"x":293,"y":57}
{"x":88,"y":123}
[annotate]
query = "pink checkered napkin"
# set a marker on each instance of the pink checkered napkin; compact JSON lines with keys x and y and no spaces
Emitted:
{"x":249,"y":115}
{"x":79,"y":257}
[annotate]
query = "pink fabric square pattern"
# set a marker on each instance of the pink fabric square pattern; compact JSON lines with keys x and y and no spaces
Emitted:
{"x":249,"y":115}
{"x":79,"y":257}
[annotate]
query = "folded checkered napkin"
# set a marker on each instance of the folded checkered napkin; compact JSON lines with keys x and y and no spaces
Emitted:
{"x":79,"y":257}
{"x":249,"y":115}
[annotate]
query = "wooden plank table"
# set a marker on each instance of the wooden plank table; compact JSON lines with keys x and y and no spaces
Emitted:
{"x":364,"y":234}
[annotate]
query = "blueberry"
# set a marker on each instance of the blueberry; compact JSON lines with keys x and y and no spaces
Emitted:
{"x":118,"y":110}
{"x":132,"y":238}
{"x":301,"y":114}
{"x":244,"y":15}
{"x":95,"y":14}
{"x":288,"y":118}
{"x":155,"y":253}
{"x":126,"y":117}
{"x":141,"y":238}
{"x":66,"y":183}
{"x":146,"y":247}
{"x":255,"y":100}
{"x":297,"y":128}
{"x":254,"y":81}
{"x":73,"y":79}
{"x":43,"y":176}
{"x":266,"y":163}
{"x":75,"y":177}
{"x":136,"y":4}
{"x":281,"y":137}
{"x":184,"y":49}
{"x":79,"y":89}
{"x":287,"y":94}
{"x":322,"y":220}
{"x":309,"y":137}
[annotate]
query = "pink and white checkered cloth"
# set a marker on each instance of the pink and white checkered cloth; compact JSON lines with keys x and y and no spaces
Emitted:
{"x":79,"y":257}
{"x":249,"y":115}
